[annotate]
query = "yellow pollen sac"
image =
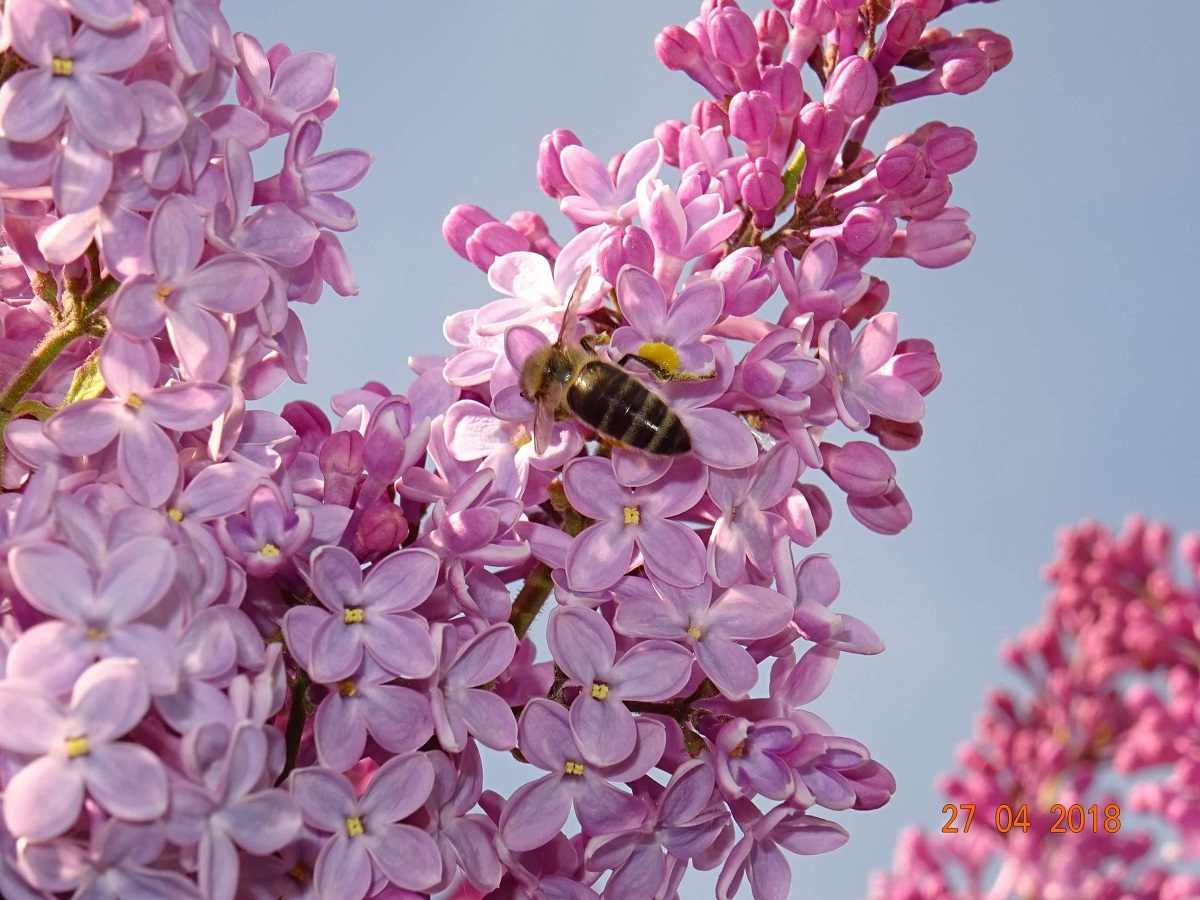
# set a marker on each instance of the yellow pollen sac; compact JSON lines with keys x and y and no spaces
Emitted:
{"x":346,"y":688}
{"x":300,"y":872}
{"x":269,"y":550}
{"x":76,"y":747}
{"x":352,"y":616}
{"x":632,"y":515}
{"x":354,"y":826}
{"x":133,"y":401}
{"x":574,"y":768}
{"x":62,"y":66}
{"x":521,"y":440}
{"x":694,"y":631}
{"x":663,"y":354}
{"x":94,"y":634}
{"x":164,"y":291}
{"x":736,"y":752}
{"x":599,"y":691}
{"x":175,"y":513}
{"x":841,"y":378}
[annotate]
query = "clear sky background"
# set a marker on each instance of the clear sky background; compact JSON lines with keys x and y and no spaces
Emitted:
{"x":1067,"y":338}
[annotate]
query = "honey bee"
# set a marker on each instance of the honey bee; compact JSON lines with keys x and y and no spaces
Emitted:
{"x":565,"y":379}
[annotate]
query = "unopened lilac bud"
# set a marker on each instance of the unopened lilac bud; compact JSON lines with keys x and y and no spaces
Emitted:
{"x":341,"y":461}
{"x":752,"y":119}
{"x":761,"y":184}
{"x":820,"y":129}
{"x":772,"y":30}
{"x":871,"y":303}
{"x":866,"y":231}
{"x":951,"y":149}
{"x":667,"y":135}
{"x":310,"y":422}
{"x":966,"y":71}
{"x":708,"y":114}
{"x":460,"y":223}
{"x":550,"y":175}
{"x":852,"y":87}
{"x":819,"y":505}
{"x":859,"y":468}
{"x":732,"y":37}
{"x":784,"y":86}
{"x":902,"y":32}
{"x":901,"y":170}
{"x":997,"y":47}
{"x":895,"y":436}
{"x":624,"y":245}
{"x":747,"y":282}
{"x":492,"y":240}
{"x":383,"y":447}
{"x":536,"y":231}
{"x":937,"y":242}
{"x":916,"y":362}
{"x":886,"y":513}
{"x":926,"y":203}
{"x":680,"y":51}
{"x":381,"y":530}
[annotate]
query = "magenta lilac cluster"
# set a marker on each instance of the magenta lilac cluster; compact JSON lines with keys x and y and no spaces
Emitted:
{"x":255,"y":655}
{"x":1100,"y":747}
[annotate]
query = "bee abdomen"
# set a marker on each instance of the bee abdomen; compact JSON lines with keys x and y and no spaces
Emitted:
{"x":620,"y":407}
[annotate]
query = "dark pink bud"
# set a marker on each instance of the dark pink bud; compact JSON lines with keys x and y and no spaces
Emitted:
{"x":852,"y":87}
{"x":868,"y":231}
{"x":937,"y":242}
{"x":310,"y":422}
{"x":902,"y":32}
{"x":930,"y":200}
{"x":550,"y":175}
{"x":677,"y":48}
{"x":761,"y":185}
{"x":871,"y":303}
{"x":752,"y":119}
{"x":966,"y":71}
{"x":783,"y":85}
{"x":708,"y":114}
{"x":341,"y":461}
{"x":536,"y":231}
{"x":382,"y":529}
{"x":747,"y":282}
{"x":951,"y":149}
{"x":772,"y":30}
{"x":624,"y":245}
{"x":732,"y":37}
{"x":886,"y":513}
{"x":667,"y":134}
{"x":460,"y":223}
{"x":820,"y":129}
{"x":492,"y":240}
{"x":901,"y":170}
{"x":895,"y":435}
{"x":997,"y":47}
{"x":859,"y":468}
{"x":819,"y":505}
{"x":916,"y":362}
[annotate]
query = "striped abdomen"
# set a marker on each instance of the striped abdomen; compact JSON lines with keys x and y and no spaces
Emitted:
{"x":621,"y":408}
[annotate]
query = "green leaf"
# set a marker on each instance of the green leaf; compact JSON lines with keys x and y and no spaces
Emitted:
{"x":33,"y":408}
{"x":87,"y":383}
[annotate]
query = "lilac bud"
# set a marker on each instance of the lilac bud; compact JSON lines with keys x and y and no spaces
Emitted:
{"x":951,"y":149}
{"x":310,"y":422}
{"x":895,"y":435}
{"x":624,"y":245}
{"x":492,"y":240}
{"x":859,"y":468}
{"x":852,"y":87}
{"x":383,"y":447}
{"x":866,"y":231}
{"x":667,"y":135}
{"x":460,"y":223}
{"x":677,"y":48}
{"x":752,"y":119}
{"x":772,"y":30}
{"x":820,"y":129}
{"x":785,"y":88}
{"x":871,"y":303}
{"x":550,"y":175}
{"x":903,"y":32}
{"x":381,"y":530}
{"x":966,"y":71}
{"x":707,"y":114}
{"x":819,"y":505}
{"x":937,"y":242}
{"x":732,"y":37}
{"x":997,"y":47}
{"x":747,"y":282}
{"x":926,"y":203}
{"x":536,"y":231}
{"x":341,"y":461}
{"x":901,"y":170}
{"x":916,"y":362}
{"x":886,"y":513}
{"x":761,"y":185}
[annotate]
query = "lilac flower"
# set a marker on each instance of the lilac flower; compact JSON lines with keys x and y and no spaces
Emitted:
{"x":629,"y":519}
{"x":76,"y":749}
{"x":537,"y":810}
{"x":367,"y":615}
{"x":269,"y":534}
{"x":585,"y":648}
{"x":93,"y":615}
{"x":757,"y":855}
{"x":667,"y":336}
{"x":283,"y":88}
{"x":465,"y":840}
{"x":683,"y":224}
{"x":813,"y":587}
{"x":366,"y":837}
{"x":712,"y":627}
{"x":71,"y":77}
{"x":135,"y":418}
{"x":603,"y":198}
{"x":460,"y":708}
{"x":184,"y":296}
{"x":858,"y":377}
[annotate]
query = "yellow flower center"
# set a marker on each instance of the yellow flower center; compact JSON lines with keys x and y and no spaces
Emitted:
{"x":632,"y":515}
{"x":300,"y":872}
{"x":663,"y":354}
{"x":599,"y":691}
{"x":346,"y":688}
{"x":269,"y":550}
{"x":62,"y":66}
{"x":76,"y":746}
{"x":95,"y":634}
{"x":694,"y":631}
{"x":352,"y":616}
{"x":133,"y":401}
{"x":521,"y":439}
{"x":164,"y":291}
{"x":574,"y":768}
{"x":175,"y":513}
{"x":354,"y":826}
{"x":738,"y":751}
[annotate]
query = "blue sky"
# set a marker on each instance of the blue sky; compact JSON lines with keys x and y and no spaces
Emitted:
{"x":1067,"y":337}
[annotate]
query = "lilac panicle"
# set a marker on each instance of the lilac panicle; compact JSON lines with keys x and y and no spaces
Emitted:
{"x":249,"y":654}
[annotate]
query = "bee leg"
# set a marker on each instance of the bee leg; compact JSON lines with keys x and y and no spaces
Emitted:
{"x":662,"y":373}
{"x":589,"y":342}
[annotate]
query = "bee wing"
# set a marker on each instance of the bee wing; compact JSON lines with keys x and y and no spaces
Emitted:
{"x":543,"y":417}
{"x":568,"y":320}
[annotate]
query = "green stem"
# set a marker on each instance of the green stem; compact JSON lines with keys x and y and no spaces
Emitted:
{"x":531,"y":599}
{"x":57,"y":339}
{"x":297,"y":716}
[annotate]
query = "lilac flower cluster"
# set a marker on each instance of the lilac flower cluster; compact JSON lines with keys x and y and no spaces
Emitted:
{"x":248,"y":654}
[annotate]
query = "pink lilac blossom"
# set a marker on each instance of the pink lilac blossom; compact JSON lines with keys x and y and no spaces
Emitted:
{"x":1106,"y":714}
{"x":248,"y":654}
